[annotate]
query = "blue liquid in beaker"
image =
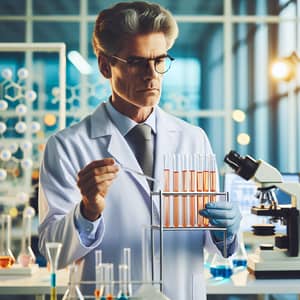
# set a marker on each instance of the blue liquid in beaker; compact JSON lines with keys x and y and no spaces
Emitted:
{"x":239,"y":262}
{"x":221,"y":271}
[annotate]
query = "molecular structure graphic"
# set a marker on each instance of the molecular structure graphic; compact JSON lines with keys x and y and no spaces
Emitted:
{"x":19,"y":129}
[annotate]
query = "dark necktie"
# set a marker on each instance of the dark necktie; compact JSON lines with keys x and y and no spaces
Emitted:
{"x":140,"y":140}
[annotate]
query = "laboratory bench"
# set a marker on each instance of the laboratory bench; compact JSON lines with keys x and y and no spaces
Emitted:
{"x":241,"y":284}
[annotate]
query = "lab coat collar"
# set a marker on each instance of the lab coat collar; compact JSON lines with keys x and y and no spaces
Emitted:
{"x":167,"y":136}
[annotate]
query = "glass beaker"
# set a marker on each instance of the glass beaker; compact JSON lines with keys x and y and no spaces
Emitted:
{"x":221,"y":267}
{"x":26,"y":256}
{"x":6,"y":257}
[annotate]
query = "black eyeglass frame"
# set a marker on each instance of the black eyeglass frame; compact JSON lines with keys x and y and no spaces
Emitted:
{"x":141,"y":61}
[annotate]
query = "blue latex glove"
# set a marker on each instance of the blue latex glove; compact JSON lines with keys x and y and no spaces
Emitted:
{"x":223,"y":214}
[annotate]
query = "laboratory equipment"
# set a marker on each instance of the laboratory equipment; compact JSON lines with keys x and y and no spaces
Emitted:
{"x":7,"y":258}
{"x":73,"y":292}
{"x":127,"y":262}
{"x":221,"y":267}
{"x":123,"y":282}
{"x":53,"y":252}
{"x":176,"y":187}
{"x":167,"y":170}
{"x":26,"y":256}
{"x":281,"y":261}
{"x":239,"y":259}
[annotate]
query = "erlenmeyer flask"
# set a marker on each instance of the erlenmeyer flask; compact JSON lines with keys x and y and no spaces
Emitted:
{"x":73,"y":291}
{"x":239,"y":259}
{"x":221,"y":267}
{"x":26,"y":256}
{"x":6,"y":257}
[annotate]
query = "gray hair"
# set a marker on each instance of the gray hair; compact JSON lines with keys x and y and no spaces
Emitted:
{"x":125,"y":19}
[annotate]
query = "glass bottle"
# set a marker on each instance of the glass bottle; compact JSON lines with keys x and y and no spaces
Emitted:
{"x":6,"y":256}
{"x":26,"y":257}
{"x":221,"y":267}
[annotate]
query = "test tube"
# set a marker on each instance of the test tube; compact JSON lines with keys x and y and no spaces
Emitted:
{"x":176,"y":185}
{"x":98,"y":261}
{"x":123,"y":279}
{"x":127,"y":262}
{"x":109,"y":281}
{"x":200,"y":188}
{"x":212,"y":177}
{"x":193,"y":189}
{"x":185,"y":187}
{"x":167,"y":167}
{"x":206,"y":187}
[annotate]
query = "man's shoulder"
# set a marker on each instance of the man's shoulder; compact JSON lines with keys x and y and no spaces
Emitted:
{"x":176,"y":122}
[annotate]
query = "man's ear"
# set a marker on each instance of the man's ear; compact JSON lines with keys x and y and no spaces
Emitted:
{"x":104,"y":66}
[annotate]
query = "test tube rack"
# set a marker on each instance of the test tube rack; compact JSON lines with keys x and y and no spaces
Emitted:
{"x":161,"y":228}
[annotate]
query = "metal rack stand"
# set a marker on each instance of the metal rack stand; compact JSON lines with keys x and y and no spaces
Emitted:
{"x":162,"y":228}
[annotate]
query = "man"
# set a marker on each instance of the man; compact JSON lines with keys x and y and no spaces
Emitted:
{"x":86,"y":201}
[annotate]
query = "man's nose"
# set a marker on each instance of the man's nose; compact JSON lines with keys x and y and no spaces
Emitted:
{"x":150,"y":71}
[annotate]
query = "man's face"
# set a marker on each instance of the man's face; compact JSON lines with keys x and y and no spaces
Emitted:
{"x":138,"y":86}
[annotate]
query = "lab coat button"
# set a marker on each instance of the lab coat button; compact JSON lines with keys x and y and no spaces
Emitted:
{"x":89,"y":228}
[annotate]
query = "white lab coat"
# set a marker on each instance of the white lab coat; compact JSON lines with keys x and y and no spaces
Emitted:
{"x":127,"y":203}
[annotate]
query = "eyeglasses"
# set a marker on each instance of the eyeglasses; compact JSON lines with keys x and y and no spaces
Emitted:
{"x":162,"y":64}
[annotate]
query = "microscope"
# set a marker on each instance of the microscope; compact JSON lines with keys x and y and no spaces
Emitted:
{"x":283,"y":260}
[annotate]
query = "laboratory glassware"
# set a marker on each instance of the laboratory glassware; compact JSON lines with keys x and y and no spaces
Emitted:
{"x":221,"y":267}
{"x":100,"y":279}
{"x":127,"y":262}
{"x":185,"y":188}
{"x":73,"y":292}
{"x":176,"y":188}
{"x":212,"y":176}
{"x":167,"y":167}
{"x":53,"y":252}
{"x":206,"y":187}
{"x":7,"y":258}
{"x":239,"y":259}
{"x":123,"y":282}
{"x":26,"y":256}
{"x":193,"y":189}
{"x":200,"y":175}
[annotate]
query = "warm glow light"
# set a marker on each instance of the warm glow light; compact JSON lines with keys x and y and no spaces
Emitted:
{"x":79,"y":62}
{"x":238,"y":115}
{"x":49,"y":119}
{"x":243,"y":139}
{"x":283,"y":69}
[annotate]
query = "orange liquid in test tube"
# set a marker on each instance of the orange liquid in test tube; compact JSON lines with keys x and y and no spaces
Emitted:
{"x":192,"y":198}
{"x":167,"y":198}
{"x":185,"y":183}
{"x":212,"y":176}
{"x":200,"y":219}
{"x":205,"y":189}
{"x":176,"y":199}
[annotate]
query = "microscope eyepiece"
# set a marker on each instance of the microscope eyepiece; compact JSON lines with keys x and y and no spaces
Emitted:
{"x":243,"y":166}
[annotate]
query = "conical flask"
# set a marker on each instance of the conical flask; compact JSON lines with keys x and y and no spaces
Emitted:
{"x":6,"y":257}
{"x":73,"y":291}
{"x":26,"y":256}
{"x":221,"y":267}
{"x":239,"y":259}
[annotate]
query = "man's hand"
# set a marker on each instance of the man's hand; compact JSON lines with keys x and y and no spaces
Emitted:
{"x":223,"y":214}
{"x":94,"y":181}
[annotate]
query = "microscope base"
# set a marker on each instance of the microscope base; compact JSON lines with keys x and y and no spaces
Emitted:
{"x":274,"y":265}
